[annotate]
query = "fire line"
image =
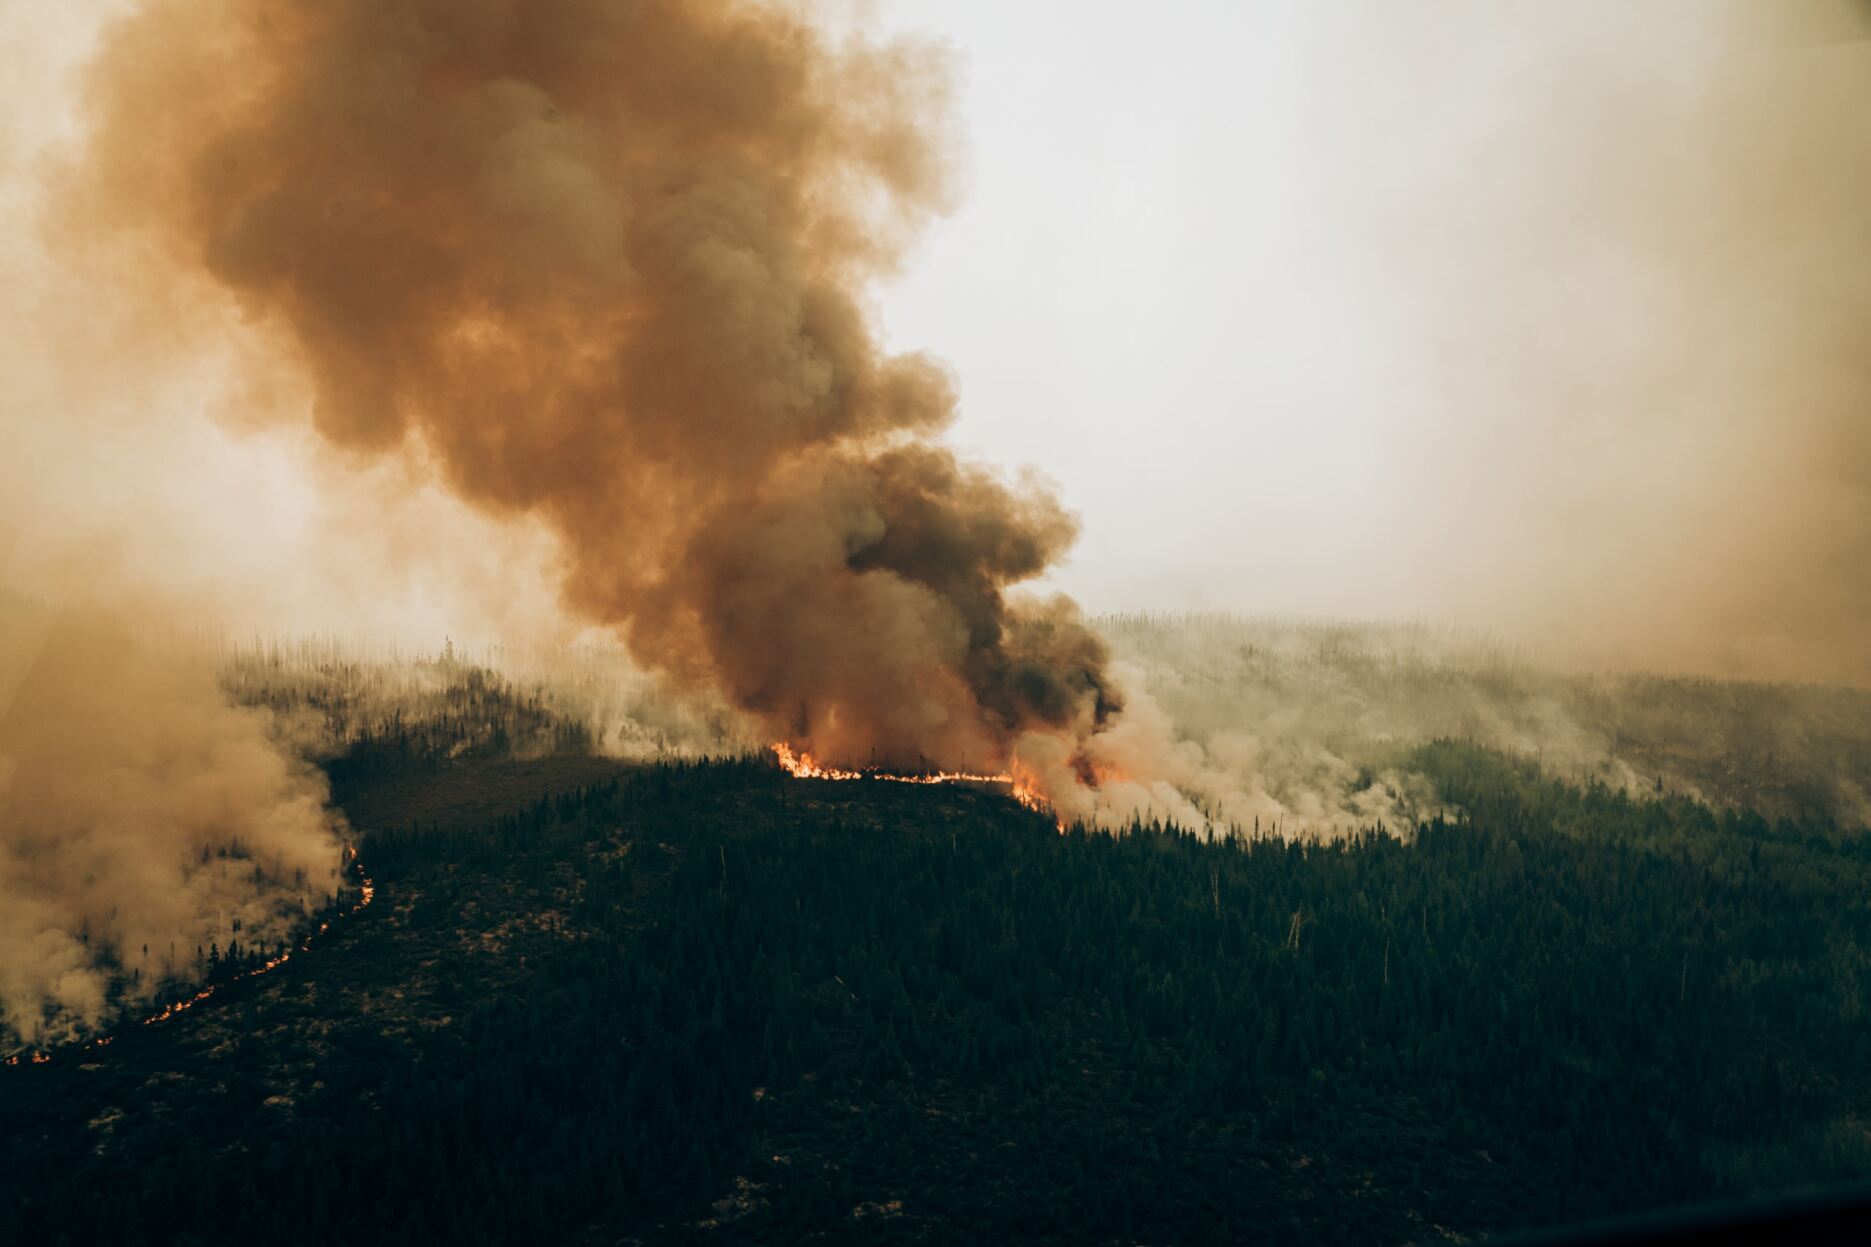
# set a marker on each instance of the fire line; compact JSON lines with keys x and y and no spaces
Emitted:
{"x":367,"y":889}
{"x":801,"y":765}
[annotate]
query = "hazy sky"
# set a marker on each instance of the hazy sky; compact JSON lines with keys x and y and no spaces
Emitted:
{"x":1536,"y":316}
{"x":1128,"y":303}
{"x":1263,"y":285}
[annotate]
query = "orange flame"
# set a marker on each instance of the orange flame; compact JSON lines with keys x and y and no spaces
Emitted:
{"x":367,"y":890}
{"x":804,"y":766}
{"x":368,"y":893}
{"x":1024,"y":791}
{"x":801,"y":765}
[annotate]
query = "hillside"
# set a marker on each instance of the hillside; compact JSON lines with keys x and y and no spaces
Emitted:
{"x":707,"y":1003}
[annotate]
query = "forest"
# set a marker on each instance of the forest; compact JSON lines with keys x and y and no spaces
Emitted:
{"x":552,"y":688}
{"x":604,"y":1000}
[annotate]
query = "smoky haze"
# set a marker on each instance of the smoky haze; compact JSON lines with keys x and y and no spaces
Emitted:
{"x":606,"y":267}
{"x":1635,"y":293}
{"x":1558,"y":329}
{"x":142,"y":817}
{"x":1549,"y":319}
{"x":1544,"y":318}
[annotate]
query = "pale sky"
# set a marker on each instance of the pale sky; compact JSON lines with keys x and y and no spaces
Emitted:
{"x":1254,"y":281}
{"x":1523,"y":315}
{"x":1124,"y":292}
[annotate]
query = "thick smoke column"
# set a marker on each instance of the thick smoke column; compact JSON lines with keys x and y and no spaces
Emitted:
{"x":605,"y":264}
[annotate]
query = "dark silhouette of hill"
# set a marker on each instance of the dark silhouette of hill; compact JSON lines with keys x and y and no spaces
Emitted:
{"x":706,"y":1003}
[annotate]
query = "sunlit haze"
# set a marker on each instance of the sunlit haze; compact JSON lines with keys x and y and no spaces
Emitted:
{"x":1505,"y":313}
{"x":1531,"y":318}
{"x":952,"y":621}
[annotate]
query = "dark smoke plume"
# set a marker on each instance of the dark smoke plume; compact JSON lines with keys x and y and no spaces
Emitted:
{"x":604,"y":263}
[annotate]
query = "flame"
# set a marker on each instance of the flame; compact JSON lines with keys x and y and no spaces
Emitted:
{"x":367,"y":892}
{"x":1023,"y":790}
{"x":1021,"y":787}
{"x":804,"y":766}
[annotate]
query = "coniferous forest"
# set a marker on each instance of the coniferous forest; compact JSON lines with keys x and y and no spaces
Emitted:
{"x":599,"y":1002}
{"x":620,"y":623}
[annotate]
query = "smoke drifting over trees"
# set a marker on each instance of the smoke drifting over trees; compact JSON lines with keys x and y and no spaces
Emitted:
{"x":141,"y":817}
{"x":606,"y":265}
{"x":606,"y":272}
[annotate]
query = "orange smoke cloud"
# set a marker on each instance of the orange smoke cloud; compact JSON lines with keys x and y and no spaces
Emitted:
{"x":606,"y":266}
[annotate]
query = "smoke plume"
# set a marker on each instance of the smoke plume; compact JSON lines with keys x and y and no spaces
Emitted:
{"x":141,"y":817}
{"x":605,"y":266}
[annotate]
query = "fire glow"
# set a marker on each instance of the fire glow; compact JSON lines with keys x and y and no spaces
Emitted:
{"x":367,"y":892}
{"x":801,"y":765}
